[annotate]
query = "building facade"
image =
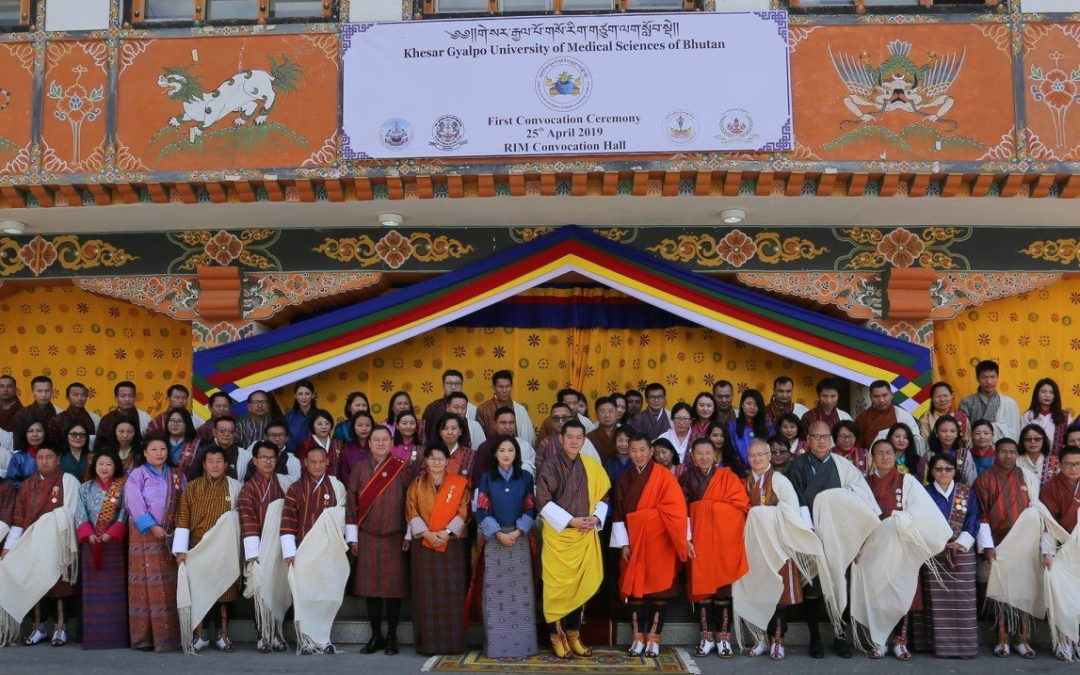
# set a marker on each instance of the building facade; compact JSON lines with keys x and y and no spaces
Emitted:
{"x":928,"y":193}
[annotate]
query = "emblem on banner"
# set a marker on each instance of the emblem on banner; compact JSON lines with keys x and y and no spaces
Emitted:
{"x":563,"y":83}
{"x":448,"y":132}
{"x":396,"y":134}
{"x":736,"y":125}
{"x":680,"y":126}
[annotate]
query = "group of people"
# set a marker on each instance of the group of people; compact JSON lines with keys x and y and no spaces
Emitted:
{"x":890,"y":528}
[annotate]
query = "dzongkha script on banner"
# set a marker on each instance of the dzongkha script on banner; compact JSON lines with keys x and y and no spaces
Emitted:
{"x":558,"y":85}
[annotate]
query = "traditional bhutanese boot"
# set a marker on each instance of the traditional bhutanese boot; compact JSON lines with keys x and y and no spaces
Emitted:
{"x":1002,"y":649}
{"x":776,"y":650}
{"x":560,"y":645}
{"x":723,"y":637}
{"x":1024,"y":648}
{"x":573,"y":637}
{"x":900,"y":649}
{"x":637,"y":637}
{"x":707,"y":645}
{"x":652,"y":645}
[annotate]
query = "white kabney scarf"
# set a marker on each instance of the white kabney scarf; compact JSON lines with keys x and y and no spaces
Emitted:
{"x":843,"y":519}
{"x":1063,"y":593}
{"x":773,"y":535}
{"x":211,"y":568}
{"x":45,"y":553}
{"x":318,"y":575}
{"x":267,"y":581}
{"x":1017,"y":582}
{"x":884,"y":580}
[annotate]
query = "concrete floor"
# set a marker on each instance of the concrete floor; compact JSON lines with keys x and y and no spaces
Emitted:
{"x":71,"y":660}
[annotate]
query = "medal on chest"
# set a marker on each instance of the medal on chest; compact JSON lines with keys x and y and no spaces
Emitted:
{"x":55,"y":493}
{"x":899,"y":498}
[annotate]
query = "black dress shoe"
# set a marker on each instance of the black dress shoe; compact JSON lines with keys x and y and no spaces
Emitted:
{"x":840,"y":647}
{"x":817,"y":650}
{"x":391,"y":646}
{"x":373,"y":645}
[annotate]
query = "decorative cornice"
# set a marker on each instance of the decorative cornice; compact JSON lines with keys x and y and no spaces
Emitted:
{"x":19,"y":192}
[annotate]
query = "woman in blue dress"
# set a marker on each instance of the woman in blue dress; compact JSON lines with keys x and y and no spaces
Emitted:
{"x":948,"y":623}
{"x":505,"y":512}
{"x":750,"y":423}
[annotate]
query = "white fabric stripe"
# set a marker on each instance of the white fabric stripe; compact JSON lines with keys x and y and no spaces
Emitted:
{"x":241,"y":394}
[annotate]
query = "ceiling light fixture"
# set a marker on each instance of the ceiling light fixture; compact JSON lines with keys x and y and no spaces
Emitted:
{"x":391,"y":219}
{"x":12,"y":227}
{"x":733,"y":216}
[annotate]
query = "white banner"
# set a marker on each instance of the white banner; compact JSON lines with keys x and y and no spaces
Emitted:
{"x":595,"y":84}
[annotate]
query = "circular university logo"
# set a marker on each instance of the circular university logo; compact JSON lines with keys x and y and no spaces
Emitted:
{"x":395,"y":134}
{"x":736,"y":125}
{"x":563,"y":83}
{"x":679,"y":127}
{"x":448,"y":133}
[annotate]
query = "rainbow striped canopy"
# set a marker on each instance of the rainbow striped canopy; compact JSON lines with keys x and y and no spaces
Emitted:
{"x":299,"y":351}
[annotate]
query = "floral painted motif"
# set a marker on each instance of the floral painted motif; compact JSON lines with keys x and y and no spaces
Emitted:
{"x":857,"y":294}
{"x":204,"y":336}
{"x":956,"y":291}
{"x":224,"y":247}
{"x":394,"y":249}
{"x":39,"y":254}
{"x":524,"y":235}
{"x":203,"y":249}
{"x":265,"y":295}
{"x":876,"y":248}
{"x":75,"y":105}
{"x":1055,"y":250}
{"x":1058,"y":91}
{"x":900,"y":248}
{"x":175,"y":296}
{"x":736,"y":249}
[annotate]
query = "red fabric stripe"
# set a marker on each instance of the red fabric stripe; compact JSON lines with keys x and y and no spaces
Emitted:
{"x":422,"y":310}
{"x":686,"y":293}
{"x":522,"y":267}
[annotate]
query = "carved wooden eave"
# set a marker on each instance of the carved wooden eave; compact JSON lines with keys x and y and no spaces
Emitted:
{"x":550,"y":184}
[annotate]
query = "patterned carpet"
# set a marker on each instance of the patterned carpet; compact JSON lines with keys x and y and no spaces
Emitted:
{"x":606,"y":660}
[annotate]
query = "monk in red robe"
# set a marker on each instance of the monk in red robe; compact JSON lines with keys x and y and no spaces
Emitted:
{"x":649,"y":525}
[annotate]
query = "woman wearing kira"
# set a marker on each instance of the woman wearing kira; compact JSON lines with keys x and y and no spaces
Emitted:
{"x":437,"y":509}
{"x":101,"y":527}
{"x":947,"y":625}
{"x":505,"y":514}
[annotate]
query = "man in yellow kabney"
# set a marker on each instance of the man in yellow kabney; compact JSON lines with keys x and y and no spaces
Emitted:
{"x":572,"y":495}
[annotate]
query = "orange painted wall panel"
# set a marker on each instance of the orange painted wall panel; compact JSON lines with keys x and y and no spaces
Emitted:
{"x":1052,"y":91}
{"x":73,"y":118}
{"x":231,"y":102}
{"x":930,"y":92}
{"x":16,"y":105}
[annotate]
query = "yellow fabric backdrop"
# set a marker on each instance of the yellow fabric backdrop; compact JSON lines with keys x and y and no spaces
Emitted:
{"x":72,"y":335}
{"x":1031,"y":336}
{"x":597,"y":361}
